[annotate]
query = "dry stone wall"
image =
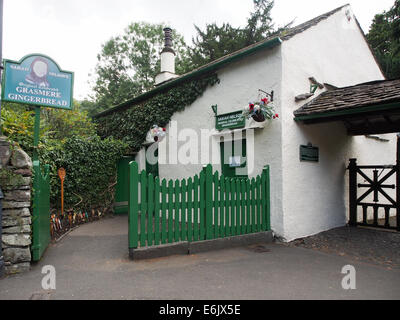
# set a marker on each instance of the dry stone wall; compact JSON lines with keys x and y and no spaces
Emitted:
{"x":15,"y":182}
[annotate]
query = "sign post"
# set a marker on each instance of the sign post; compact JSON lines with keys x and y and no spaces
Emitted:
{"x":61,"y":175}
{"x":36,"y":134}
{"x":37,"y":80}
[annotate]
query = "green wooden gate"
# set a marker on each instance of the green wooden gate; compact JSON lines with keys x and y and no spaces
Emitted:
{"x":121,"y":190}
{"x":205,"y":207}
{"x":41,"y":210}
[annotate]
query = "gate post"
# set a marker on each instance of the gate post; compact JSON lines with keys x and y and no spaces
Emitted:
{"x":41,"y":211}
{"x":36,"y":247}
{"x":353,"y":192}
{"x":209,"y":204}
{"x":133,"y":208}
{"x":267,"y":198}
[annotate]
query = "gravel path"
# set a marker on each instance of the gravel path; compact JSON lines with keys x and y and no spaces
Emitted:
{"x":364,"y":244}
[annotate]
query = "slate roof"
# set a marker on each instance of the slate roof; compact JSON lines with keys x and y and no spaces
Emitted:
{"x":349,"y":98}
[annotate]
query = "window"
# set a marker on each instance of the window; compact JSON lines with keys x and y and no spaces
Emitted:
{"x":234,"y":157}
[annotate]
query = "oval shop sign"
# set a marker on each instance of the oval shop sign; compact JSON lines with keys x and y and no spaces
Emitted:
{"x":37,"y":80}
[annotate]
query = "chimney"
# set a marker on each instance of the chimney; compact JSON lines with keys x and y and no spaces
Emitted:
{"x":167,"y":60}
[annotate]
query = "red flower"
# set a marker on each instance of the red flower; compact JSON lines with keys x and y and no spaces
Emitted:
{"x":277,"y":116}
{"x":164,"y":129}
{"x":251,"y":106}
{"x":265,"y":100}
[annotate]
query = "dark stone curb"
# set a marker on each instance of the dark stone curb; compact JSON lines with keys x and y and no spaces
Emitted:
{"x":184,"y":248}
{"x":160,"y":251}
{"x":231,"y":242}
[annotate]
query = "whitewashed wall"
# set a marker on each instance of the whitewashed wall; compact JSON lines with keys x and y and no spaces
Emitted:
{"x":315,"y":194}
{"x":239,"y":85}
{"x":306,"y":198}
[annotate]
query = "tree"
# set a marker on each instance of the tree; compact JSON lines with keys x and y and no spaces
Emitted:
{"x":128,"y":64}
{"x":384,"y":38}
{"x":259,"y":25}
{"x":215,"y":42}
{"x":56,"y":125}
{"x":17,"y":123}
{"x":90,"y":107}
{"x":62,"y":124}
{"x":68,"y":139}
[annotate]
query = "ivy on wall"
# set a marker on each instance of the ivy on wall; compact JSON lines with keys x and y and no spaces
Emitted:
{"x":131,"y":125}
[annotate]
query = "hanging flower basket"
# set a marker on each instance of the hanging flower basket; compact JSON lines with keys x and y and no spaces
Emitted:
{"x":156,"y":134}
{"x":258,"y":117}
{"x":260,"y":111}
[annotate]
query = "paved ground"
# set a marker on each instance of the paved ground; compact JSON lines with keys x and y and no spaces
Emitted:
{"x":362,"y":244}
{"x":92,"y":263}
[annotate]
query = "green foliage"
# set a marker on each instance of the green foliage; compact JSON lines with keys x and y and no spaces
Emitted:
{"x":56,"y":124}
{"x":384,"y":38}
{"x":90,"y":164}
{"x":132,"y":125}
{"x":17,"y":124}
{"x":62,"y":124}
{"x":90,"y":107}
{"x":259,"y":25}
{"x":217,"y":41}
{"x":68,"y":139}
{"x":128,"y":64}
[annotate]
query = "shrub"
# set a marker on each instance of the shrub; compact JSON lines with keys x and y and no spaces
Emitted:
{"x":91,"y":166}
{"x":17,"y":124}
{"x":68,"y":139}
{"x":61,"y":124}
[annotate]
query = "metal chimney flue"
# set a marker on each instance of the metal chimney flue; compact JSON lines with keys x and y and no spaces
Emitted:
{"x":167,"y":59}
{"x":168,"y":37}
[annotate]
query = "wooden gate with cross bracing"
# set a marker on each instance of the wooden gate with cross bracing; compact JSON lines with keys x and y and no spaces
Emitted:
{"x":375,"y":194}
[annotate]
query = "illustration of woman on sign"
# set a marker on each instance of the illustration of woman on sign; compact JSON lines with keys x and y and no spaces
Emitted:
{"x":39,"y":70}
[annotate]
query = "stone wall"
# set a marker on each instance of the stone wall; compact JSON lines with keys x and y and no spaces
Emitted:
{"x":15,"y":182}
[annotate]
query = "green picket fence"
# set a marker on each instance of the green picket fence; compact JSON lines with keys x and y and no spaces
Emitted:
{"x":41,"y":211}
{"x":205,"y":207}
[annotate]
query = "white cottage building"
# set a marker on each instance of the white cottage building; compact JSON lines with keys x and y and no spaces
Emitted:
{"x":307,"y":161}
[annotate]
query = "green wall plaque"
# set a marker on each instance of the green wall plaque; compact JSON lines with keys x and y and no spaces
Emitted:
{"x":233,"y":120}
{"x":309,"y":153}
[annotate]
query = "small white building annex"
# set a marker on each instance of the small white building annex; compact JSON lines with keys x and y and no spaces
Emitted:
{"x":308,"y":161}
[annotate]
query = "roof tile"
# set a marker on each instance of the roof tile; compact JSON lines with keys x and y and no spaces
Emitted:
{"x":361,"y":95}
